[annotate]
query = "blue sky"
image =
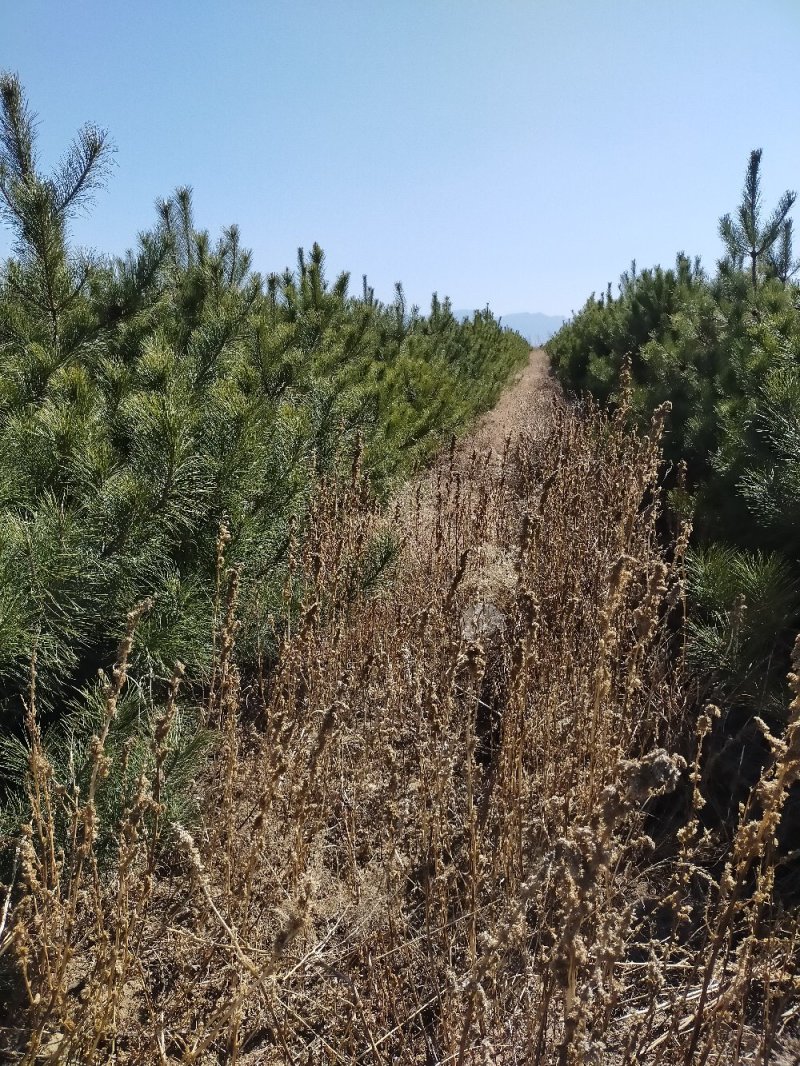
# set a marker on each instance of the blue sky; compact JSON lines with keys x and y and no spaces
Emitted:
{"x":511,"y":152}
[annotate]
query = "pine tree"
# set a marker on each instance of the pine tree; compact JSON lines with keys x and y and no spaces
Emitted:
{"x":147,"y":400}
{"x":749,"y":235}
{"x":38,"y":207}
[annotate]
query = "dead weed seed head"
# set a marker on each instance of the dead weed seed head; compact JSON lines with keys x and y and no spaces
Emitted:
{"x":435,"y":843}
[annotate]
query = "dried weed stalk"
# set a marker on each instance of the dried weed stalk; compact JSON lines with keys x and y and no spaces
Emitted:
{"x":436,"y":841}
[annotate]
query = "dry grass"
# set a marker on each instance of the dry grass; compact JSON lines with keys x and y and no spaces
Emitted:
{"x":439,"y":838}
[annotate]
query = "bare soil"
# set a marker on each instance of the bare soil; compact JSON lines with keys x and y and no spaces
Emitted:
{"x":522,"y":406}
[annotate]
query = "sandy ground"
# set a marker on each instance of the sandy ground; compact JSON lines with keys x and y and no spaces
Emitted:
{"x":522,"y":404}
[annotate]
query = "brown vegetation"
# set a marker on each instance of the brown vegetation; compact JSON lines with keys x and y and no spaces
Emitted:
{"x":436,"y":833}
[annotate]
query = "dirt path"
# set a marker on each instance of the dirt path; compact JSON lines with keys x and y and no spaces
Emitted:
{"x":524,"y":406}
{"x":523,"y":403}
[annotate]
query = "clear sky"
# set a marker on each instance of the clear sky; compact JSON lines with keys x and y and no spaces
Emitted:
{"x":515,"y":152}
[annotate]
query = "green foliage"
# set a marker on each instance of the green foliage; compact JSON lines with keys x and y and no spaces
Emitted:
{"x":130,"y":748}
{"x":407,"y":381}
{"x":149,"y":400}
{"x":748,"y":236}
{"x":741,"y":600}
{"x":48,"y":278}
{"x":780,"y":258}
{"x":725,"y":351}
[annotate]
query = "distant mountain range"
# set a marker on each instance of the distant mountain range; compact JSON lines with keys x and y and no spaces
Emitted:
{"x":533,"y":325}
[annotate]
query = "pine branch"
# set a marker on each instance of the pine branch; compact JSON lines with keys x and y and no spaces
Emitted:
{"x":773,"y":227}
{"x":17,"y":129}
{"x":84,"y":169}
